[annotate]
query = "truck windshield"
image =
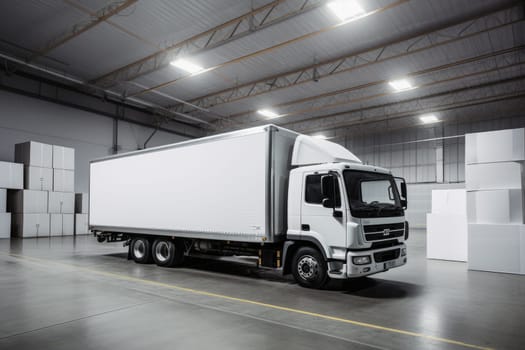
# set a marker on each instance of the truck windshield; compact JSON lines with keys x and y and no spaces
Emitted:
{"x":372,"y":194}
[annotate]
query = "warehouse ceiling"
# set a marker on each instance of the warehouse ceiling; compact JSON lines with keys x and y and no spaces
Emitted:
{"x":229,"y":64}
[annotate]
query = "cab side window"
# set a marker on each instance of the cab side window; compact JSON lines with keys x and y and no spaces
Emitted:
{"x":313,"y":193}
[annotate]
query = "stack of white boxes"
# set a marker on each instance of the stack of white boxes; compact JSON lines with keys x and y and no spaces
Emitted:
{"x":81,"y":213}
{"x":46,"y":206}
{"x":494,"y":180}
{"x":12,"y":178}
{"x":447,"y":225}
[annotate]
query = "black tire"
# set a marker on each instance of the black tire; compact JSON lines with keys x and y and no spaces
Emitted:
{"x":167,"y":252}
{"x":309,"y":268}
{"x":140,"y":249}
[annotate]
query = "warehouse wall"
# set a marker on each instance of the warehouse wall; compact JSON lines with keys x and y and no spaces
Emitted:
{"x":23,"y":118}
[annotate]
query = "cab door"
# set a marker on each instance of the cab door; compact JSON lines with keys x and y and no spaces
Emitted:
{"x":324,"y":224}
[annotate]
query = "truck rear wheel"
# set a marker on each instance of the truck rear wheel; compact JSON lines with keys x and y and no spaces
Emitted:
{"x":140,"y":249}
{"x":168,"y":253}
{"x":309,"y":268}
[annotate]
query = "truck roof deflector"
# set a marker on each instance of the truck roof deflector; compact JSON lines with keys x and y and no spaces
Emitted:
{"x":311,"y":150}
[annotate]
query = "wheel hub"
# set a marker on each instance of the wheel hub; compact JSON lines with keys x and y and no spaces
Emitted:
{"x":307,"y":267}
{"x":162,"y":252}
{"x":139,"y":249}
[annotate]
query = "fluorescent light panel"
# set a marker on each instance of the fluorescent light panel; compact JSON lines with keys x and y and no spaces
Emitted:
{"x":345,"y":9}
{"x":267,"y":113}
{"x":429,"y":118}
{"x":320,"y":136}
{"x":186,"y":65}
{"x":401,"y":84}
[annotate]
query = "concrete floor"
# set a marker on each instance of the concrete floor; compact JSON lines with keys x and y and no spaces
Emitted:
{"x":67,"y":293}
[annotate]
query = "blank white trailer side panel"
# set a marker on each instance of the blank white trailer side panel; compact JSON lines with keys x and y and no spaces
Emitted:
{"x":216,"y":189}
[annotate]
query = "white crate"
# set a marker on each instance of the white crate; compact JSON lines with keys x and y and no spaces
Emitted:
{"x":492,"y":176}
{"x":495,"y":207}
{"x":447,"y":237}
{"x":27,"y":201}
{"x":495,"y":146}
{"x":63,"y":158}
{"x":34,"y":154}
{"x":30,"y":225}
{"x":452,"y":201}
{"x":63,"y":180}
{"x":3,"y":200}
{"x":55,"y":224}
{"x":81,"y":203}
{"x":61,"y":203}
{"x":495,"y":248}
{"x":37,"y":178}
{"x":11,"y":175}
{"x":81,"y":224}
{"x":68,"y":224}
{"x":5,"y":225}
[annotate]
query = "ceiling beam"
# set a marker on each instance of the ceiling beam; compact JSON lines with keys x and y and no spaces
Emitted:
{"x":437,"y":35}
{"x":248,"y":23}
{"x":79,"y":28}
{"x":345,"y":97}
{"x":272,"y":48}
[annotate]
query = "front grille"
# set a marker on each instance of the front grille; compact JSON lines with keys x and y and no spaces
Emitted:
{"x":384,"y":231}
{"x":386,"y":255}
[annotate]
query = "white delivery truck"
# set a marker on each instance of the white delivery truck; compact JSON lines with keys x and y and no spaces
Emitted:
{"x":297,"y":203}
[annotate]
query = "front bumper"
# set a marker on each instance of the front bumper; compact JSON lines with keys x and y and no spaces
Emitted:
{"x":384,"y":261}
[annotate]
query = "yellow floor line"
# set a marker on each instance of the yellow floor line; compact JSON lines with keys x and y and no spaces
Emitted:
{"x":253,"y":302}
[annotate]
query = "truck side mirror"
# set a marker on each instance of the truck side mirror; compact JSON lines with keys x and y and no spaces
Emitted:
{"x":328,"y":203}
{"x":328,"y":191}
{"x":403,"y":187}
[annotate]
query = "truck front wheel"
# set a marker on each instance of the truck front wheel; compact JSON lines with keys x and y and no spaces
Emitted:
{"x":167,"y":252}
{"x":309,"y":268}
{"x":141,"y":250}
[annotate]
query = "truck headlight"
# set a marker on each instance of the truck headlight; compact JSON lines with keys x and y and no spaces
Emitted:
{"x":361,"y":260}
{"x":403,"y":251}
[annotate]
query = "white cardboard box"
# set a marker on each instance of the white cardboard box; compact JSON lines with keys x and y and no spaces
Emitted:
{"x":30,"y":225}
{"x":3,"y":200}
{"x":5,"y":225}
{"x":68,"y":224}
{"x":452,"y":201}
{"x":11,"y":175}
{"x":63,"y":158}
{"x":55,"y":224}
{"x":81,"y":203}
{"x":495,"y":146}
{"x":495,"y":207}
{"x":37,"y":178}
{"x":447,"y":237}
{"x":61,"y":203}
{"x":34,"y":154}
{"x":495,"y":248}
{"x":491,"y":176}
{"x":63,"y":180}
{"x":81,"y":224}
{"x":27,"y":201}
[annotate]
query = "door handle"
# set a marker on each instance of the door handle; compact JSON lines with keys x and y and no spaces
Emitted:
{"x":305,"y":227}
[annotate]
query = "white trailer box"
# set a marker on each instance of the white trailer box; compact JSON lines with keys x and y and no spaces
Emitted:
{"x":61,"y":203}
{"x":11,"y":175}
{"x":27,"y":201}
{"x":495,"y":146}
{"x":34,"y":154}
{"x":494,"y":176}
{"x":37,"y":178}
{"x":5,"y":225}
{"x":63,"y":180}
{"x":229,"y":186}
{"x":81,"y":224}
{"x":63,"y":158}
{"x":30,"y":225}
{"x":3,"y":200}
{"x":81,"y":203}
{"x":495,"y":207}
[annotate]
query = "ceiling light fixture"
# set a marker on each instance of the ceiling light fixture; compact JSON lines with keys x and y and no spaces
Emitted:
{"x":187,"y":65}
{"x":346,"y":9}
{"x":401,"y":85}
{"x":429,"y":119}
{"x":268,"y":113}
{"x":320,"y":136}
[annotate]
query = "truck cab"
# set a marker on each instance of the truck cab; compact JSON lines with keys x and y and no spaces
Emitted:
{"x":353,"y":214}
